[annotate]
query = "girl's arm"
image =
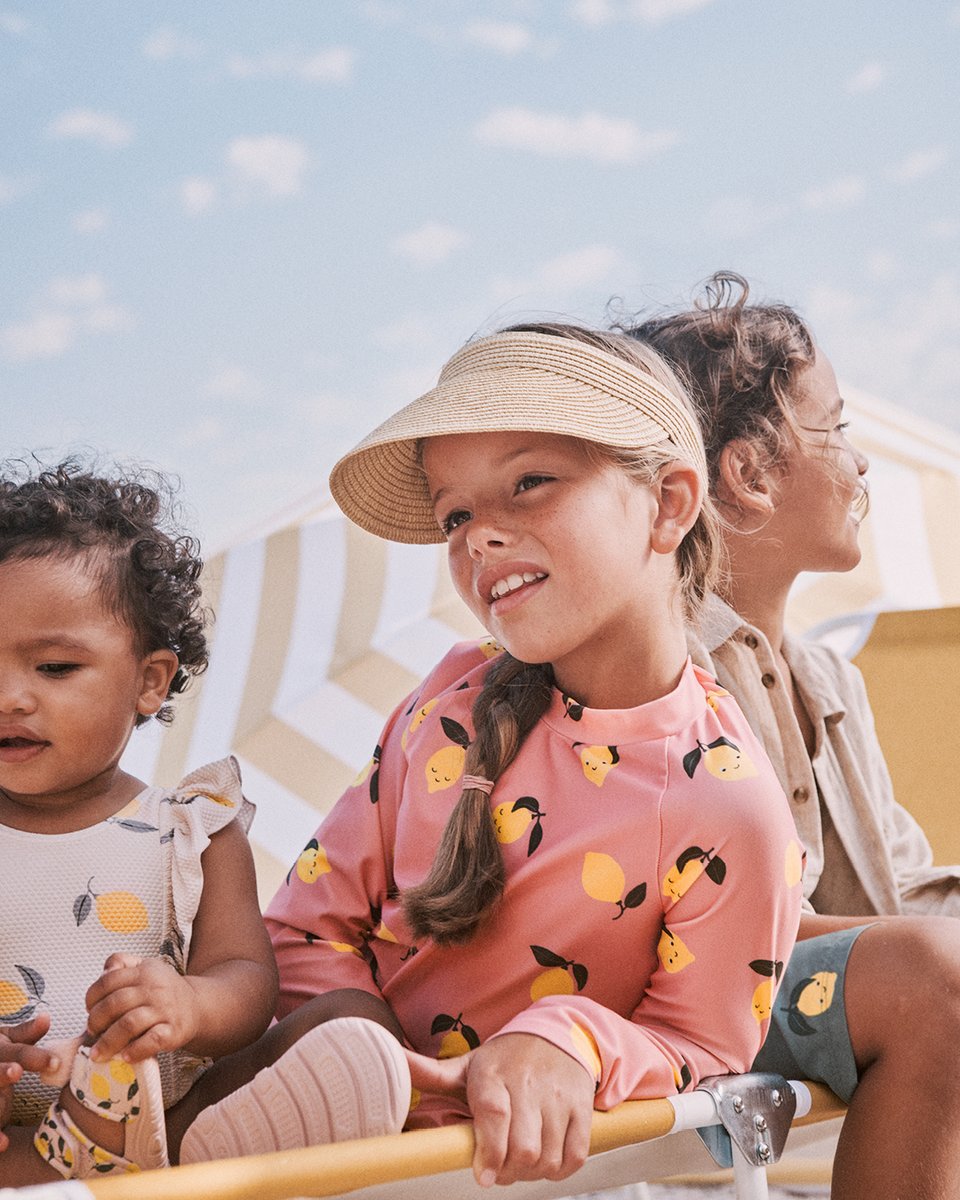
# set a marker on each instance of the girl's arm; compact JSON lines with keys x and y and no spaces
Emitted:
{"x":227,"y":997}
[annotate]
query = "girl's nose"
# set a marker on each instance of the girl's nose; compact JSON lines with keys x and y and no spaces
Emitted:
{"x":484,"y":533}
{"x":863,"y":463}
{"x":14,"y":698}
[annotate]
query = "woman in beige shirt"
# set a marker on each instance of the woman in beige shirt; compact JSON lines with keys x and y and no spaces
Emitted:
{"x":871,"y":997}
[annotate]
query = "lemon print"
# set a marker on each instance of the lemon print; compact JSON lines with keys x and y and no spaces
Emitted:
{"x":223,"y":801}
{"x":311,"y":863}
{"x":722,"y":758}
{"x":713,"y":696}
{"x":572,"y":708}
{"x":816,"y":995}
{"x":489,"y":647}
{"x":597,"y":761}
{"x":122,"y":912}
{"x":511,"y":822}
{"x":18,"y":1003}
{"x":117,"y":912}
{"x":793,"y":863}
{"x":691,"y":864}
{"x":561,"y":977}
{"x":123,"y":1072}
{"x":682,"y":1077}
{"x":384,"y":933}
{"x":361,"y":775}
{"x":344,"y":948}
{"x":12,"y":998}
{"x":457,"y":1039}
{"x":762,"y":1002}
{"x":100,"y":1086}
{"x":673,"y":954}
{"x":603,"y":879}
{"x":586,"y":1047}
{"x":445,"y":766}
{"x":418,"y":719}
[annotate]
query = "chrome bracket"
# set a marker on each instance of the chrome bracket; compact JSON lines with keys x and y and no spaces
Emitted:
{"x":755,"y":1112}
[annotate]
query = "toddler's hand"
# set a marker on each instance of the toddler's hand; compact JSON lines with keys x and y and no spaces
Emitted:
{"x":18,"y":1053}
{"x":138,"y":1007}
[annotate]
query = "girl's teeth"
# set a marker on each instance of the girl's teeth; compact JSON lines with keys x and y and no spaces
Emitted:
{"x":512,"y":582}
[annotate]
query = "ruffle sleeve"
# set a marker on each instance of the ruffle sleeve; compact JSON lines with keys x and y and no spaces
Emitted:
{"x":203,"y":803}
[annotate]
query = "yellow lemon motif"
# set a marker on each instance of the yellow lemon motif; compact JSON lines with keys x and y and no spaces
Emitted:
{"x":793,"y":863}
{"x":673,"y":954}
{"x":444,"y":767}
{"x":586,"y":1046}
{"x":418,"y":719}
{"x":597,"y":761}
{"x":762,"y":1003}
{"x":713,"y":696}
{"x":453,"y":1044}
{"x":121,"y":912}
{"x":344,"y":948}
{"x":489,"y":647}
{"x":557,"y":981}
{"x":123,"y":1072}
{"x":100,"y":1086}
{"x":509,"y":825}
{"x":384,"y":933}
{"x":362,"y":774}
{"x":817,"y":996}
{"x":728,"y":763}
{"x":12,"y":998}
{"x":312,"y":863}
{"x":602,"y":877}
{"x":676,"y":883}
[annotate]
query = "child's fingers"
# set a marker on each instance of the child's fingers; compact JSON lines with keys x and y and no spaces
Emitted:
{"x":119,"y":959}
{"x":27,"y":1032}
{"x":445,"y":1077}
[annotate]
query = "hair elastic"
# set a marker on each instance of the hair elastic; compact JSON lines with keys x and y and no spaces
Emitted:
{"x":474,"y":781}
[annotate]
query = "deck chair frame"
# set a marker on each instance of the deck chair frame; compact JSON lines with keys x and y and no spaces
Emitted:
{"x":638,"y":1141}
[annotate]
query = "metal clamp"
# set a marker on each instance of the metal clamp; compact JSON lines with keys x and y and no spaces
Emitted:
{"x":755,"y":1111}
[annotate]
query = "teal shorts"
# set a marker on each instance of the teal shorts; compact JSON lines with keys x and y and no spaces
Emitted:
{"x":808,"y":1036}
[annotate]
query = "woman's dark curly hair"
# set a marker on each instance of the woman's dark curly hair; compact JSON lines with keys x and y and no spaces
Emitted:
{"x":122,"y":525}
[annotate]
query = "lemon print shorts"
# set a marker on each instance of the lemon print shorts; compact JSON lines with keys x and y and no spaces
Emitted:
{"x":808,"y":1037}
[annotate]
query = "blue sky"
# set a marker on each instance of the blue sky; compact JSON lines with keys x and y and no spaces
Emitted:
{"x":235,"y":236}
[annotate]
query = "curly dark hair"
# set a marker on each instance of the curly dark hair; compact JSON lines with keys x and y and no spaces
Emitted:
{"x":740,"y":362}
{"x":123,"y":524}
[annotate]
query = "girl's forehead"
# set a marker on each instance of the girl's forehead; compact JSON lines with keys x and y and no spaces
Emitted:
{"x":496,"y":445}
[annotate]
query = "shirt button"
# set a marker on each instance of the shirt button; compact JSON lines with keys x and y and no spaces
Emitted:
{"x":751,"y":641}
{"x":800,"y":795}
{"x":768,"y":680}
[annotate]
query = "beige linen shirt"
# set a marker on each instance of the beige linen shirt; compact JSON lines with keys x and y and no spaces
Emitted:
{"x":865,"y":853}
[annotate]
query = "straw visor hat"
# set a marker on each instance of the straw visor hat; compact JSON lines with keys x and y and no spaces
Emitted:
{"x":509,"y":381}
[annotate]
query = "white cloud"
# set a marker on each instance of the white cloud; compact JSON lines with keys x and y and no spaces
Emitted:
{"x":71,"y":305}
{"x":592,"y":136}
{"x":841,"y":193}
{"x":867,"y":79}
{"x":47,"y":335}
{"x":505,"y":37}
{"x":233,"y":383}
{"x":649,"y":12}
{"x":920,"y":163}
{"x":586,"y":267}
{"x":166,"y":43}
{"x":331,"y":65}
{"x":77,"y":291}
{"x":14,"y":24}
{"x":85,"y":124}
{"x":273,"y":162}
{"x":429,"y":245}
{"x":197,"y":195}
{"x":92,"y":220}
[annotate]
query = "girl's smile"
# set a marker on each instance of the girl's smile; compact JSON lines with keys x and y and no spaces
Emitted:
{"x":550,"y":548}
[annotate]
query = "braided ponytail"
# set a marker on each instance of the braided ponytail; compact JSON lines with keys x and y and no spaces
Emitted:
{"x":467,"y":875}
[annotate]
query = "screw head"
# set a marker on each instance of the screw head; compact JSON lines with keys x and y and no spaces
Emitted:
{"x":763,"y":1151}
{"x":760,"y":1122}
{"x":738,"y":1104}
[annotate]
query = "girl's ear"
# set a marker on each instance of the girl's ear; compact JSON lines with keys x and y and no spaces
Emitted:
{"x":743,"y":481}
{"x":157,"y":672}
{"x":679,"y":495}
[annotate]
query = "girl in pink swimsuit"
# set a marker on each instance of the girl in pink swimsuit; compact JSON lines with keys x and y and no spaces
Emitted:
{"x":568,"y":876}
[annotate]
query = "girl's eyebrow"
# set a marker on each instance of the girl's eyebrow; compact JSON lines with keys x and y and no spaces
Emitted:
{"x":58,"y":641}
{"x":504,"y":461}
